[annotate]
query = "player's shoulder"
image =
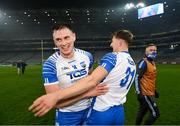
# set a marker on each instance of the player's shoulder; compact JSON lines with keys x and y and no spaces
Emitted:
{"x":83,"y":52}
{"x":53,"y":58}
{"x":110,"y":56}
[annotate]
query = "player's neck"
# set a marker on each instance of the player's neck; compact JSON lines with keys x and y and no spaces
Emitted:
{"x":68,"y":56}
{"x":123,"y":49}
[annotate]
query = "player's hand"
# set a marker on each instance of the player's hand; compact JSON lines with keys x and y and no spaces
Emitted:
{"x":100,"y":89}
{"x":156,"y":94}
{"x":43,"y":104}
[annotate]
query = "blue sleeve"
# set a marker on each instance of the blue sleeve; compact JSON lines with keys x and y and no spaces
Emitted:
{"x":49,"y":72}
{"x":91,"y":59}
{"x":108,"y":61}
{"x":141,"y":69}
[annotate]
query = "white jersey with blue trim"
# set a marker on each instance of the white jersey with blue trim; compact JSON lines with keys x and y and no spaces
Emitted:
{"x":64,"y":72}
{"x":122,"y":70}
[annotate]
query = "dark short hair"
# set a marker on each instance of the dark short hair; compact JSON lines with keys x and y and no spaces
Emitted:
{"x":62,"y":26}
{"x":123,"y":34}
{"x":151,"y":44}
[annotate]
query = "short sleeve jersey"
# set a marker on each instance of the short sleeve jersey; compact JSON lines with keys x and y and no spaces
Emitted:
{"x":65,"y":72}
{"x":122,"y":70}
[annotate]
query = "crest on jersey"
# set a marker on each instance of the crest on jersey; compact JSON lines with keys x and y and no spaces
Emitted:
{"x":83,"y":64}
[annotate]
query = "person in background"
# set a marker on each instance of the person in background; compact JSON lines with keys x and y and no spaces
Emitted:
{"x":18,"y":65}
{"x":145,"y":83}
{"x":23,"y":66}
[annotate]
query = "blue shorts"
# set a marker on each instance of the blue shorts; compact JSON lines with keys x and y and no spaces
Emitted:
{"x":71,"y":118}
{"x":113,"y":116}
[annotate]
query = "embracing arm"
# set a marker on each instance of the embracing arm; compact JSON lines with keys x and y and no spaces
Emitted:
{"x":100,"y":89}
{"x":95,"y":91}
{"x":46,"y":102}
{"x":83,"y":84}
{"x":66,"y":102}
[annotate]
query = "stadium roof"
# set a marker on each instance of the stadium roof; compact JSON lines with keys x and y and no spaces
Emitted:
{"x":59,"y":4}
{"x":35,"y":17}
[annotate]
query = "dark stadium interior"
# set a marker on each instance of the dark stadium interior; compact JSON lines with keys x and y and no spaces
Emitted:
{"x":25,"y":26}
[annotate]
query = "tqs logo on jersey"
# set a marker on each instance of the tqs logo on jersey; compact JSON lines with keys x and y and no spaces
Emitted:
{"x":77,"y":73}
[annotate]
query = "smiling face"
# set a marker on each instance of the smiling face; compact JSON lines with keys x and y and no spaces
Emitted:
{"x":64,"y":40}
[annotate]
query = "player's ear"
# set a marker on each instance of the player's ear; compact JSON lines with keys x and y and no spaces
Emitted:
{"x":74,"y":37}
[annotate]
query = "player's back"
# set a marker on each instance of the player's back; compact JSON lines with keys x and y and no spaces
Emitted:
{"x":119,"y":80}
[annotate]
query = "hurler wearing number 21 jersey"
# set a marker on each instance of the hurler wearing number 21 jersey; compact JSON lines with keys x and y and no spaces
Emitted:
{"x":116,"y":69}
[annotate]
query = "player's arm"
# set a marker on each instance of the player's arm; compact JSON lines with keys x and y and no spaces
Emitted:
{"x":50,"y":77}
{"x":66,"y":102}
{"x":95,"y":91}
{"x":107,"y":63}
{"x":91,"y":62}
{"x":141,"y":69}
{"x":83,"y":84}
{"x":46,"y":102}
{"x":51,"y":86}
{"x":100,"y":89}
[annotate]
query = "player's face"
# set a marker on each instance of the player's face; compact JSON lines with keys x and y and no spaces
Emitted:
{"x":64,"y":40}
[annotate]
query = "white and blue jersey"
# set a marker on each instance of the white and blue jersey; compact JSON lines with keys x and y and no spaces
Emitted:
{"x":108,"y":108}
{"x":122,"y":70}
{"x":65,"y":72}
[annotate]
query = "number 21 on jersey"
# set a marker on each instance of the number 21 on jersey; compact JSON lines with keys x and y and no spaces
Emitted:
{"x":128,"y":78}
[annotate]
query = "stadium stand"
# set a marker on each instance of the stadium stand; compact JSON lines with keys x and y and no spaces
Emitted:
{"x":24,"y":40}
{"x":30,"y":51}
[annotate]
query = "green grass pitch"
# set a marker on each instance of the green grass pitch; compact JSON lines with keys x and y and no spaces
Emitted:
{"x":18,"y":92}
